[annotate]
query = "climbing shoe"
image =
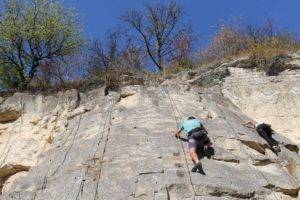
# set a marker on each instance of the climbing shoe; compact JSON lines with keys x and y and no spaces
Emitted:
{"x":198,"y":167}
{"x":195,"y":168}
{"x":276,"y":149}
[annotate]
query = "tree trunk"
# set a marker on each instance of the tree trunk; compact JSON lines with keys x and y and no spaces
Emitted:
{"x":160,"y":59}
{"x":22,"y":79}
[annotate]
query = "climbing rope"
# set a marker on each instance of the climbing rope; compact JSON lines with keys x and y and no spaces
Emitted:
{"x":96,"y":196}
{"x":6,"y":148}
{"x":238,"y":138}
{"x":51,"y":136}
{"x":70,"y":147}
{"x":45,"y":179}
{"x":179,"y":142}
{"x":101,"y":131}
{"x":48,"y":169}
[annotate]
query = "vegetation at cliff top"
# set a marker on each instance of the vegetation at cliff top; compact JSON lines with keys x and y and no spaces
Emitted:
{"x":42,"y":46}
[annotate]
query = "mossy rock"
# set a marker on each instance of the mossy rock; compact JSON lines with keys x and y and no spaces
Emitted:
{"x":214,"y":77}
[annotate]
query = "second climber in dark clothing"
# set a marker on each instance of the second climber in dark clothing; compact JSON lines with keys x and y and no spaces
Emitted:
{"x":197,"y":138}
{"x":265,"y":131}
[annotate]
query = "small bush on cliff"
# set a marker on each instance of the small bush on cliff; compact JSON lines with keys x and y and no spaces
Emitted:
{"x":229,"y":41}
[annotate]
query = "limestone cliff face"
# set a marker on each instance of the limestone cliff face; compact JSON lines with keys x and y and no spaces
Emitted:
{"x":274,"y":99}
{"x":90,"y":146}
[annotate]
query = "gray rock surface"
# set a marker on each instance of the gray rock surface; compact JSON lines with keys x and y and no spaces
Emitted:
{"x":121,"y":146}
{"x":271,"y":99}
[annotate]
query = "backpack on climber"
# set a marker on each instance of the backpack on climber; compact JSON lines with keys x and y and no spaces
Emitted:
{"x":197,"y":139}
{"x":265,"y":131}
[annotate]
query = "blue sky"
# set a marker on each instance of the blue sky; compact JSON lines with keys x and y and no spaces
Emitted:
{"x":98,"y":16}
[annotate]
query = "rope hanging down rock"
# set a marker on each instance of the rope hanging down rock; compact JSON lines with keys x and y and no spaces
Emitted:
{"x":179,"y":142}
{"x":107,"y":118}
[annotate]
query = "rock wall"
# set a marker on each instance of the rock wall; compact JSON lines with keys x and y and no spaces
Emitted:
{"x":90,"y":146}
{"x":273,"y":99}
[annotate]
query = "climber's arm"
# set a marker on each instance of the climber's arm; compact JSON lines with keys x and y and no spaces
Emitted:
{"x":177,"y":132}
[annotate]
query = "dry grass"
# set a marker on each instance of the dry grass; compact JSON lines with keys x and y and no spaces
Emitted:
{"x":264,"y":45}
{"x":277,"y":46}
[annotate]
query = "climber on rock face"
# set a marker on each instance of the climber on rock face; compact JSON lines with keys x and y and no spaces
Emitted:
{"x":197,"y":138}
{"x":266,"y":132}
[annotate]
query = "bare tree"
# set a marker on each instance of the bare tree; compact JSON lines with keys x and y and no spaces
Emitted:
{"x":116,"y":52}
{"x":253,"y":33}
{"x":160,"y":29}
{"x":259,"y":34}
{"x":133,"y":58}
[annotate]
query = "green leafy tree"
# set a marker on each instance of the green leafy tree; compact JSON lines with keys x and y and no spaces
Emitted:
{"x":33,"y":32}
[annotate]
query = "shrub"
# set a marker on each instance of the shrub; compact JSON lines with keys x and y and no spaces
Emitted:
{"x":271,"y":47}
{"x":263,"y":44}
{"x":229,"y":41}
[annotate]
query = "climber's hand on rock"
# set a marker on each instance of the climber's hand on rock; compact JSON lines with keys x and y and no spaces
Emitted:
{"x":176,"y":134}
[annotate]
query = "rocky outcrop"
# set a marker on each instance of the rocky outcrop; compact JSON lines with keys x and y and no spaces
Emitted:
{"x":9,"y":114}
{"x":271,"y":99}
{"x":121,"y":146}
{"x":104,"y":144}
{"x":7,"y":171}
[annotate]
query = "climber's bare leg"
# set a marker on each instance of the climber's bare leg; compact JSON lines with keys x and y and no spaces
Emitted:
{"x":194,"y":155}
